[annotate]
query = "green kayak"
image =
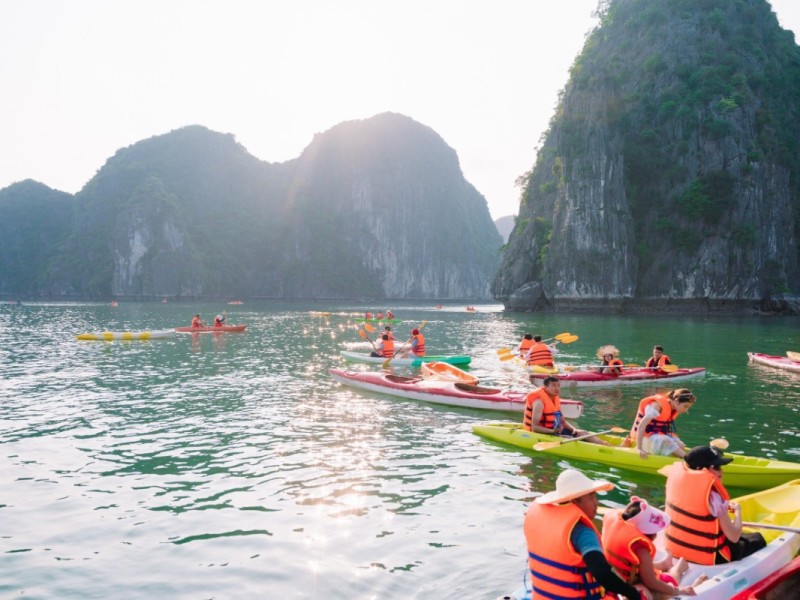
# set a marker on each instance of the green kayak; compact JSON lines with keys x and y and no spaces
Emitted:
{"x":744,"y":472}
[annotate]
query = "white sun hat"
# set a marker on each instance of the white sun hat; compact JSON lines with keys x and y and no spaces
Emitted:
{"x":572,"y":484}
{"x":650,"y":519}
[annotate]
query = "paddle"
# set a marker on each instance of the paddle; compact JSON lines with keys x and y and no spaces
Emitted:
{"x":576,"y":367}
{"x":548,"y":445}
{"x":369,"y":328}
{"x":388,"y":360}
{"x":555,"y":337}
{"x":364,"y":336}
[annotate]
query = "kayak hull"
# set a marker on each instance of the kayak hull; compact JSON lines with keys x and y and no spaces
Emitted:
{"x":779,"y":585}
{"x":629,"y":376}
{"x":444,"y":392}
{"x":108,"y":336}
{"x":779,"y":362}
{"x":223,"y":329}
{"x":446,"y":372}
{"x":413,"y":362}
{"x":747,"y":472}
{"x":778,"y":506}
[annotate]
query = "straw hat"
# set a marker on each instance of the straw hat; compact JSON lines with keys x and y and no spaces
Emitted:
{"x":607,"y":349}
{"x":650,"y":519}
{"x":572,"y":484}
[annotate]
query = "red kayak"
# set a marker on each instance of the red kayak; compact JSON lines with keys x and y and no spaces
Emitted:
{"x":223,"y":329}
{"x":629,"y":376}
{"x":782,"y":584}
{"x":444,"y":392}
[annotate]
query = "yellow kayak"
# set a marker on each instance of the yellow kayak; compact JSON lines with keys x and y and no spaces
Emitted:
{"x":747,"y":472}
{"x":108,"y":336}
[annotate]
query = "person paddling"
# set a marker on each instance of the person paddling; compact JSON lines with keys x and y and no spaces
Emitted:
{"x":543,"y":413}
{"x":196,"y":322}
{"x":219,"y":321}
{"x":659,"y":359}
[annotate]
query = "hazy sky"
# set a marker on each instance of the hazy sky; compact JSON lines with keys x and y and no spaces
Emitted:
{"x":82,"y":78}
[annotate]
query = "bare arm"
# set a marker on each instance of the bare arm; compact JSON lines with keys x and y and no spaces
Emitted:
{"x":732,"y":529}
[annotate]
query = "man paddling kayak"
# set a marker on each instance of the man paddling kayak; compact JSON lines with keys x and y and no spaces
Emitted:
{"x":543,"y":413}
{"x":659,"y":359}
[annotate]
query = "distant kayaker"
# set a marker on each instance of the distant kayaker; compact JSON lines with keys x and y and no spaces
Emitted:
{"x":540,"y":354}
{"x":385,"y":349}
{"x":388,"y":331}
{"x":219,"y":321}
{"x":389,"y":314}
{"x":653,"y":430}
{"x":543,"y":413}
{"x":659,"y":359}
{"x":417,"y":343}
{"x":611,"y":364}
{"x":628,"y":536}
{"x":699,"y":508}
{"x":380,"y":316}
{"x":196,"y":322}
{"x":565,"y":555}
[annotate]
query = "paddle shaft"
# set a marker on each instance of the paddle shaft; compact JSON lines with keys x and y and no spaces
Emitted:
{"x":770,"y":526}
{"x":544,"y":445}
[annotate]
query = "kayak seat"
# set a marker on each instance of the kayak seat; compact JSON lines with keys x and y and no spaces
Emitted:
{"x":475,"y":389}
{"x":399,"y":379}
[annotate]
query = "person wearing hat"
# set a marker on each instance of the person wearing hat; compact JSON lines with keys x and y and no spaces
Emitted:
{"x":565,"y":555}
{"x":653,"y":430}
{"x":219,"y":321}
{"x":628,"y":536}
{"x":611,"y":365}
{"x":698,"y":505}
{"x":417,"y":343}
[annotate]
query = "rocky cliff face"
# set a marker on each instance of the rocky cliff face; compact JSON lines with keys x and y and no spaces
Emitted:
{"x":375,"y":209}
{"x":669,"y":177}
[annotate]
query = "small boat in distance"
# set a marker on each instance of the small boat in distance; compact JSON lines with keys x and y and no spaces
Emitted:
{"x":235,"y":302}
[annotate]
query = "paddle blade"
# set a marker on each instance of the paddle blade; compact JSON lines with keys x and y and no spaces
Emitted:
{"x":362,"y":334}
{"x":503,"y":350}
{"x":618,"y":430}
{"x":506,"y":357}
{"x":669,"y":368}
{"x":562,"y":335}
{"x":569,"y":339}
{"x":545,"y":446}
{"x":633,"y":366}
{"x":369,"y":328}
{"x":665,"y":470}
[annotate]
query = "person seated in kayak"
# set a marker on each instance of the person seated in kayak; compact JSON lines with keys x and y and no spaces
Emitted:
{"x":565,"y":554}
{"x":417,"y":343}
{"x":196,"y":322}
{"x":219,"y":321}
{"x":653,"y":430}
{"x":380,"y":316}
{"x":611,"y":365}
{"x":543,"y":413}
{"x":388,"y":331}
{"x":385,"y":349}
{"x":525,"y":346}
{"x":540,"y":354}
{"x":389,"y":314}
{"x":659,"y":359}
{"x":705,"y":525}
{"x":628,"y":536}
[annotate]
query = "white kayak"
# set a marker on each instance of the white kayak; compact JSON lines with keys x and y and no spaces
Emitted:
{"x":777,"y":507}
{"x":779,"y":362}
{"x":444,"y":392}
{"x":108,"y":336}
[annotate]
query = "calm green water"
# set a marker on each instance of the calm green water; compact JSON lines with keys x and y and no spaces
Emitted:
{"x":232,"y":467}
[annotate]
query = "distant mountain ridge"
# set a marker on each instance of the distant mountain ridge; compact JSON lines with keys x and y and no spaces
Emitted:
{"x":377,"y":208}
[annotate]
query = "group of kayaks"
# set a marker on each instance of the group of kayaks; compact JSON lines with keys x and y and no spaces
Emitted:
{"x":774,"y":509}
{"x":156,"y":334}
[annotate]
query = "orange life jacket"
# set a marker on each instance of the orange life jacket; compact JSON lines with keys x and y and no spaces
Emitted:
{"x":540,"y":355}
{"x":557,"y":569}
{"x":524,"y":346}
{"x":663,"y":423}
{"x":662,"y":361}
{"x":613,"y":368}
{"x":693,"y":532}
{"x":196,"y":322}
{"x":551,"y":410}
{"x":619,"y":537}
{"x":388,"y":348}
{"x":419,"y":349}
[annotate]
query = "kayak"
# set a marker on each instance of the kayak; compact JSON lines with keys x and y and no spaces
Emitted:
{"x":795,"y":356}
{"x":629,"y":376}
{"x":779,"y":507}
{"x":223,"y":329}
{"x":444,"y":392}
{"x":446,"y":372}
{"x":374,"y":320}
{"x":779,"y":362}
{"x":777,"y":586}
{"x":107,"y":336}
{"x":517,"y":362}
{"x":744,"y":472}
{"x":414,"y":361}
